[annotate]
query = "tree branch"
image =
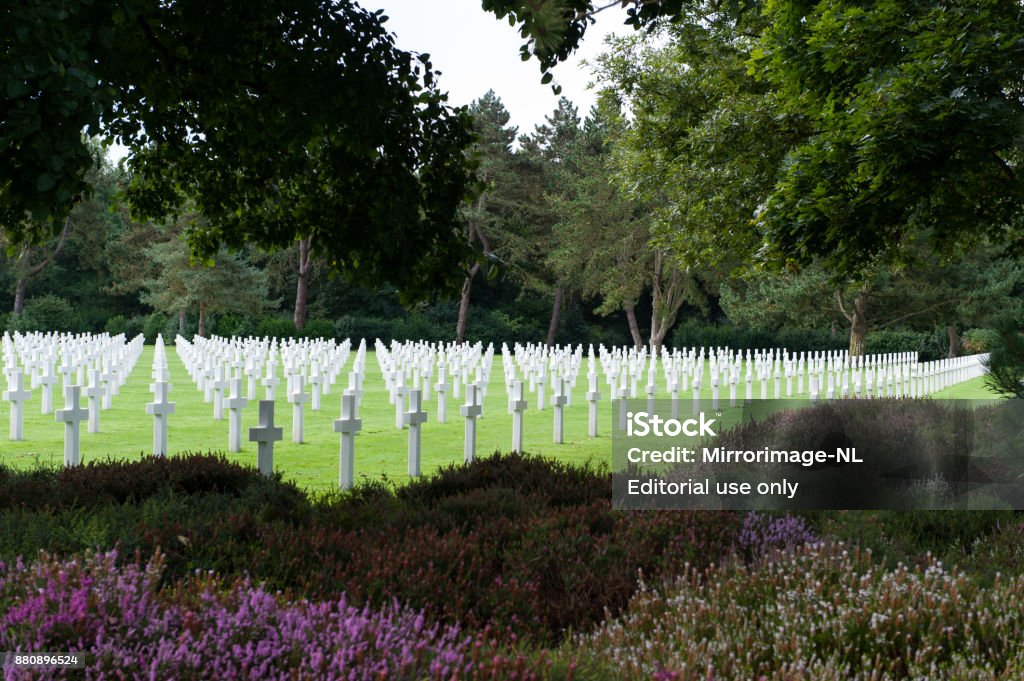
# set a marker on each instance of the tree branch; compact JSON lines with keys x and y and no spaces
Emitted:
{"x":48,"y":259}
{"x":842,"y":308}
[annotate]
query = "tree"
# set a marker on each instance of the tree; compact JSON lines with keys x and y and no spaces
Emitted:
{"x":277,"y":120}
{"x":913,"y":114}
{"x":605,"y":243}
{"x":230,"y":284}
{"x":550,"y":161}
{"x":917,"y":115}
{"x":487,"y":218}
{"x":553,"y":29}
{"x":976,"y":289}
{"x":303,"y":270}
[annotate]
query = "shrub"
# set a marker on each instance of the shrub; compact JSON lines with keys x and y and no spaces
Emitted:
{"x":155,"y":324}
{"x":116,"y":324}
{"x":123,"y":627}
{"x":693,"y":333}
{"x":524,"y":545}
{"x":820,"y":613}
{"x":99,"y":483}
{"x":48,"y":313}
{"x":929,"y":346}
{"x":975,"y":341}
{"x":276,"y":327}
{"x":228,"y":325}
{"x":318,"y":328}
{"x":370,"y":328}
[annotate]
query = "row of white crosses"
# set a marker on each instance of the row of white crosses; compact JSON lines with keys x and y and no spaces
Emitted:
{"x":832,"y":373}
{"x":103,"y":360}
{"x":79,"y":350}
{"x":408,"y":369}
{"x":219,"y":366}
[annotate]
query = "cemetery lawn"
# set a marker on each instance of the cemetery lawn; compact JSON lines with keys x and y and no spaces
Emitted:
{"x":126,"y":431}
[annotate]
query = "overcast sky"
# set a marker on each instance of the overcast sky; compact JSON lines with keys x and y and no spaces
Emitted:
{"x":476,"y":52}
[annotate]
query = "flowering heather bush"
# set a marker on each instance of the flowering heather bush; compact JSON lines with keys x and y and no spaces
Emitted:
{"x":762,"y":534}
{"x":115,"y":616}
{"x":818,"y":613}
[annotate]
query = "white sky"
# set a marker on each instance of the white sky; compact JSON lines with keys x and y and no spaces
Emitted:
{"x":475,"y":52}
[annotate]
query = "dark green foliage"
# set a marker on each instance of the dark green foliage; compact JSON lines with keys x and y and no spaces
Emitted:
{"x":929,"y":346}
{"x":906,"y":536}
{"x":228,"y":325}
{"x":979,"y":340}
{"x":101,"y":483}
{"x":276,"y":326}
{"x":692,"y":333}
{"x":269,"y":119}
{"x":318,"y":328}
{"x":47,"y":313}
{"x":1005,"y":364}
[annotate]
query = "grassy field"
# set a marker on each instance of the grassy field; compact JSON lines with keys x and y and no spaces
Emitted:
{"x":126,"y":430}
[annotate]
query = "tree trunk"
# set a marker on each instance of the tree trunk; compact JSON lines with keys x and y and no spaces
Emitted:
{"x":467,"y":285}
{"x":556,"y":308}
{"x":19,"y":295}
{"x":302,"y":283}
{"x":954,"y":341}
{"x":27,"y":271}
{"x":658,"y":337}
{"x":634,"y":329}
{"x":181,"y":322}
{"x":202,"y":319}
{"x":859,"y":324}
{"x":858,"y":318}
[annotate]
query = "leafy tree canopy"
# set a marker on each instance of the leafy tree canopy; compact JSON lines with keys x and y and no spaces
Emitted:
{"x":274,"y":118}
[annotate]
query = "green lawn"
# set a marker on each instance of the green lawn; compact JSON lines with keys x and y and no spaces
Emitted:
{"x":127,"y":431}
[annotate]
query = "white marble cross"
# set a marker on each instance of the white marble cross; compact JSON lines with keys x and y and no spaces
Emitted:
{"x":160,"y":409}
{"x":558,"y":401}
{"x":593,"y":398}
{"x":348,"y":425}
{"x":17,"y":396}
{"x":235,"y":404}
{"x":271,"y":381}
{"x":47,"y":381}
{"x":265,"y":435}
{"x":471,"y":410}
{"x":414,"y":418}
{"x":220,"y":384}
{"x":93,"y":393}
{"x":441,"y":388}
{"x":298,"y":397}
{"x":72,"y":415}
{"x":518,"y":406}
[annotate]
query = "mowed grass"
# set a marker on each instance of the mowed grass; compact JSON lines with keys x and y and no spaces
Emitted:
{"x":126,"y":431}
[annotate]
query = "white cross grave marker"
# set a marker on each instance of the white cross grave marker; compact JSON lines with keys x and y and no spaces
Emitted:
{"x":235,"y":403}
{"x":72,"y":415}
{"x":298,"y":398}
{"x":348,"y":425}
{"x":414,"y":418}
{"x":160,"y":409}
{"x":265,"y":435}
{"x":518,"y":406}
{"x":471,"y":410}
{"x":17,"y":396}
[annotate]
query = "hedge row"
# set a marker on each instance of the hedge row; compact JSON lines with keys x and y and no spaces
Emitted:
{"x":930,"y":345}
